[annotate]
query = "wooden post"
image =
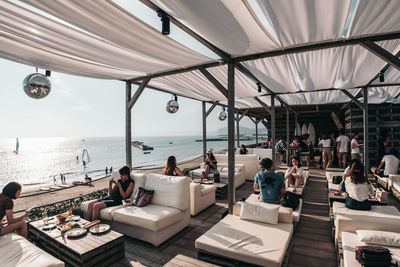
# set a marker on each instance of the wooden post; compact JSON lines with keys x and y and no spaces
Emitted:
{"x":365,"y":125}
{"x":231,"y":136}
{"x":204,"y":116}
{"x":237,"y":130}
{"x":273,"y":137}
{"x":287,"y":135}
{"x":257,"y":131}
{"x":128,"y":125}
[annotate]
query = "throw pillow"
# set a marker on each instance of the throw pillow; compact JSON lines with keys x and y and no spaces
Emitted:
{"x":142,"y":197}
{"x":383,"y":238}
{"x":260,"y":212}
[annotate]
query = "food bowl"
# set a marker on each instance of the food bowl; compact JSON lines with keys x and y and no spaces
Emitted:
{"x":62,"y":217}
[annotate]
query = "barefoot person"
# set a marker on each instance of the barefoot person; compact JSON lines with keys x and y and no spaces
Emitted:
{"x":10,"y":192}
{"x":171,"y":169}
{"x":210,"y":165}
{"x":122,"y":189}
{"x":294,"y":174}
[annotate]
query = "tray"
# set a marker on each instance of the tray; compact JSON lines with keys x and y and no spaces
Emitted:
{"x":99,"y":229}
{"x":76,"y":232}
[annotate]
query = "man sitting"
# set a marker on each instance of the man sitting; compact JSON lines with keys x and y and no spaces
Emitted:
{"x":270,"y":184}
{"x":390,"y":163}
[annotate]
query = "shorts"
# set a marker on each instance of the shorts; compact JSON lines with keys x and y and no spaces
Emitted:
{"x":355,"y":156}
{"x":110,"y":202}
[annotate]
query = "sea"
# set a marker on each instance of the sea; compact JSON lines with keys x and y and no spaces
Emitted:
{"x":41,"y":160}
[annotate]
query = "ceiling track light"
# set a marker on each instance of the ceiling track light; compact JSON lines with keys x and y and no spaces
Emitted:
{"x":165,"y":24}
{"x":259,"y":87}
{"x":381,"y":77}
{"x":48,"y":73}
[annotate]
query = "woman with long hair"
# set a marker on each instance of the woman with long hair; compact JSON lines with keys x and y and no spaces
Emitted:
{"x":210,"y":165}
{"x":171,"y":169}
{"x":294,"y":174}
{"x":358,"y":188}
{"x":11,"y":192}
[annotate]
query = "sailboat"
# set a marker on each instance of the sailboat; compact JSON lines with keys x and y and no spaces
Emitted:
{"x":85,"y":157}
{"x":16,"y":151}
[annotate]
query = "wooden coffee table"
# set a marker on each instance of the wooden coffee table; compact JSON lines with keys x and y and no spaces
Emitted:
{"x":88,"y":250}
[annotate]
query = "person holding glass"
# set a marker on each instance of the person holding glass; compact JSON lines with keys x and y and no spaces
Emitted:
{"x":18,"y":225}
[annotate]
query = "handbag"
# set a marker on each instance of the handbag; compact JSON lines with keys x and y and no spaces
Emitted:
{"x":142,"y":197}
{"x":290,"y":200}
{"x":217,"y":177}
{"x":373,"y":256}
{"x":337,"y":179}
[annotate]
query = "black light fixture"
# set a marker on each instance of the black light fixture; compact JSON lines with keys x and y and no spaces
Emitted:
{"x":259,"y":87}
{"x":48,"y":73}
{"x":164,"y":22}
{"x":381,"y":76}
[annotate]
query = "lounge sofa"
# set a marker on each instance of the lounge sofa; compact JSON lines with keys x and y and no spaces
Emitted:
{"x":223,"y":172}
{"x":394,"y":185}
{"x":378,"y":218}
{"x":201,"y":197}
{"x":167,"y":214}
{"x":250,"y":162}
{"x":19,"y":252}
{"x":236,"y":242}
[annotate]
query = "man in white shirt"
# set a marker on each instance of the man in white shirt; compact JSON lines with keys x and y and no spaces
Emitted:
{"x":342,"y":148}
{"x":355,"y":147}
{"x":390,"y":162}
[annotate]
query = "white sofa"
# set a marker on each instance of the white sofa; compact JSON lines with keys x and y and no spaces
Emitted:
{"x":262,"y":153}
{"x":201,"y":197}
{"x":19,"y":252}
{"x":223,"y":172}
{"x":250,"y":162}
{"x":394,"y":185}
{"x":167,"y":214}
{"x":383,"y":218}
{"x":249,"y":242}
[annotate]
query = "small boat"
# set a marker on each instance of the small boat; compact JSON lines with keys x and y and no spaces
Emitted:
{"x":171,"y":143}
{"x":141,"y":146}
{"x":146,"y":152}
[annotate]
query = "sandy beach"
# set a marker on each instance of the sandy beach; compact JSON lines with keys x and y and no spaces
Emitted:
{"x":33,"y":196}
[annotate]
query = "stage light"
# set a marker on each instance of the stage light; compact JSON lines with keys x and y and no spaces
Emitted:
{"x":164,"y":22}
{"x":381,"y":77}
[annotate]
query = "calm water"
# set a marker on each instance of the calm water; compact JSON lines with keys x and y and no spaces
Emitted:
{"x":39,"y":159}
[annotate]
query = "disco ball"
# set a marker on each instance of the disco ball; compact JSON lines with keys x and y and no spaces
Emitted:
{"x":222,"y":115}
{"x":172,"y":106}
{"x":36,"y":85}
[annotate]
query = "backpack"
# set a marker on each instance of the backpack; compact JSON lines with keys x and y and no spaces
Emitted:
{"x":290,"y":200}
{"x":373,"y":256}
{"x":337,"y":179}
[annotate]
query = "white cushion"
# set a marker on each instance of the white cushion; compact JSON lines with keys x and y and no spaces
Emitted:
{"x":383,"y":238}
{"x":286,"y":215}
{"x":376,"y":211}
{"x":259,"y":212}
{"x":252,"y":242}
{"x":139,"y":180}
{"x":207,"y":189}
{"x":107,"y":213}
{"x":171,"y":191}
{"x":17,"y":251}
{"x":225,"y":169}
{"x":151,"y":217}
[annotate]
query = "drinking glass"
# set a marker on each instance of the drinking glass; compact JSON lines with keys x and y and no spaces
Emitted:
{"x":45,"y":218}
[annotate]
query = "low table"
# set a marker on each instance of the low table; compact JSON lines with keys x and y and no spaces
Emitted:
{"x":88,"y":250}
{"x":222,"y":190}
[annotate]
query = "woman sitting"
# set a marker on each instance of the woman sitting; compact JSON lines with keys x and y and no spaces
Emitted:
{"x":294,"y":174}
{"x":243,"y":150}
{"x":10,"y":192}
{"x":122,"y":189}
{"x":358,"y":188}
{"x":210,"y":165}
{"x":171,"y":169}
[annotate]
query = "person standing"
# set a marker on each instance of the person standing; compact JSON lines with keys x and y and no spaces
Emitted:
{"x":325,"y":145}
{"x":270,"y":184}
{"x":106,"y":171}
{"x":342,"y":142}
{"x":355,"y":147}
{"x":382,"y":144}
{"x":110,"y":169}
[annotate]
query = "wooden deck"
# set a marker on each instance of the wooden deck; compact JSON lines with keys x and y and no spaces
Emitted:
{"x":311,"y":245}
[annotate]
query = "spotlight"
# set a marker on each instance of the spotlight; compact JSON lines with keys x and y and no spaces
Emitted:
{"x":173,"y":105}
{"x":164,"y":22}
{"x":222,"y":114}
{"x":381,"y":77}
{"x":48,"y":73}
{"x":259,"y":87}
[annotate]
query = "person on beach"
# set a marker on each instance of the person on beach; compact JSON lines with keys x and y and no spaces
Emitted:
{"x":270,"y":184}
{"x":243,"y":150}
{"x":342,"y":142}
{"x":110,"y":169}
{"x":210,"y":165}
{"x":117,"y":191}
{"x":63,"y":180}
{"x":10,"y":192}
{"x":355,"y":147}
{"x":55,"y":179}
{"x":358,"y":188}
{"x":106,"y":171}
{"x":294,"y":174}
{"x":171,"y":168}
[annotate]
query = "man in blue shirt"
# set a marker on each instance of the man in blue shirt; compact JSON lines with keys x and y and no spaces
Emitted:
{"x":270,"y":184}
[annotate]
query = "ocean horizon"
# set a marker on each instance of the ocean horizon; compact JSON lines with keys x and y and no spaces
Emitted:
{"x":41,"y":158}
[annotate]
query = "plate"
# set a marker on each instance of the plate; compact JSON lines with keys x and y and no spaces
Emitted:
{"x":75,"y":218}
{"x":99,"y":228}
{"x":49,"y":226}
{"x":76,"y":232}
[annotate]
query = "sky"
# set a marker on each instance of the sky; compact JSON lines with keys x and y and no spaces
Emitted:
{"x":87,"y":107}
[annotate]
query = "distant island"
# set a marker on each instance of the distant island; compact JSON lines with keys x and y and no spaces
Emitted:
{"x":244,"y":130}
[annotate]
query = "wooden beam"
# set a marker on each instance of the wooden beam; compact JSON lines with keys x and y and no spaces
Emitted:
{"x":211,"y":108}
{"x":138,"y":92}
{"x":214,"y":81}
{"x":381,"y":53}
{"x":263,"y":105}
{"x":352,"y":98}
{"x":243,"y":114}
